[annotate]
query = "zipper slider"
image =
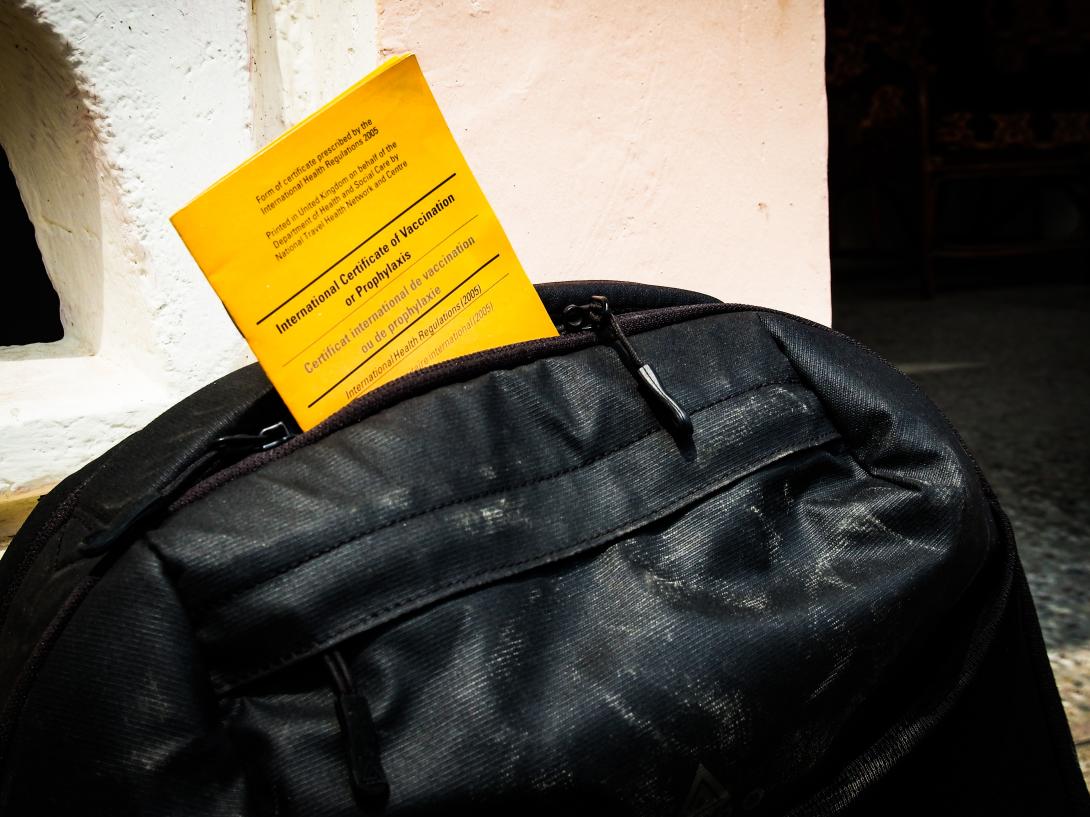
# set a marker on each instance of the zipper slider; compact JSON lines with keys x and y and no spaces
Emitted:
{"x":598,"y":316}
{"x":360,"y":736}
{"x":145,"y":510}
{"x":266,"y":438}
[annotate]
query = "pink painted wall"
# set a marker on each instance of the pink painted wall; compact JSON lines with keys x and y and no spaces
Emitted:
{"x":679,"y":143}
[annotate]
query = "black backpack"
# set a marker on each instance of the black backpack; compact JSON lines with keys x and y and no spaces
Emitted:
{"x":686,"y":558}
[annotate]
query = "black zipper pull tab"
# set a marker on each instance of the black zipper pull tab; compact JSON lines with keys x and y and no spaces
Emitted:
{"x":145,"y":510}
{"x":360,"y":736}
{"x":266,"y":438}
{"x":676,"y":417}
{"x":598,"y":316}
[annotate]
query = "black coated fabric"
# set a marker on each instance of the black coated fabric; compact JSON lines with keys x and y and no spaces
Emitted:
{"x":544,"y":601}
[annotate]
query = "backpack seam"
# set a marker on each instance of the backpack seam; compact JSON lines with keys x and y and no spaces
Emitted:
{"x":217,"y":603}
{"x":500,"y":571}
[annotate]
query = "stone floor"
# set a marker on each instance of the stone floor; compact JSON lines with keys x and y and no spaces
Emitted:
{"x":1011,"y":369}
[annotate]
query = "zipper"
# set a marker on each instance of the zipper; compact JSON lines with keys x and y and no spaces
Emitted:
{"x":52,"y":524}
{"x":458,"y":370}
{"x":598,"y":317}
{"x":360,"y":738}
{"x":108,"y":543}
{"x":147,"y":509}
{"x":232,"y":456}
{"x":266,"y":438}
{"x":252,"y":451}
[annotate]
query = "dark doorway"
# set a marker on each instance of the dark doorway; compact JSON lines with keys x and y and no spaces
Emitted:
{"x":33,"y":309}
{"x":959,"y":140}
{"x":959,"y":174}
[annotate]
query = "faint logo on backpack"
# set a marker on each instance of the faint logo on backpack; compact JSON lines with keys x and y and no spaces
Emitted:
{"x":707,"y":796}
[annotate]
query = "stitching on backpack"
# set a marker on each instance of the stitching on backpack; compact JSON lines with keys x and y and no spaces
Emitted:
{"x":501,"y":570}
{"x":63,"y":516}
{"x":53,"y":526}
{"x":302,"y":560}
{"x":805,"y":381}
{"x":478,"y":359}
{"x":91,"y":521}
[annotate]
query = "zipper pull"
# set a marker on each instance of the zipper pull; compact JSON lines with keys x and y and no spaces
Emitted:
{"x":266,"y":438}
{"x":360,"y":736}
{"x":597,"y":316}
{"x":144,"y":510}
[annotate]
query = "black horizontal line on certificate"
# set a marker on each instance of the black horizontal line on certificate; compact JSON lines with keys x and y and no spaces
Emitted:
{"x":408,"y":326}
{"x":332,"y":266}
{"x":377,"y":291}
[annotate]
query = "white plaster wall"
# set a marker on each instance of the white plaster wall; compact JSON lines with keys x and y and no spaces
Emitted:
{"x":304,"y":53}
{"x":119,"y":110}
{"x":679,"y":143}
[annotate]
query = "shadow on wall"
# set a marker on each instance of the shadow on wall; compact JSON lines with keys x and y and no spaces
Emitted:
{"x":46,"y":132}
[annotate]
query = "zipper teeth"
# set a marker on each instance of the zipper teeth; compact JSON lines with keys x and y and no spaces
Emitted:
{"x":371,"y":403}
{"x":441,"y":374}
{"x":402,"y":388}
{"x":410,"y":385}
{"x":56,"y":520}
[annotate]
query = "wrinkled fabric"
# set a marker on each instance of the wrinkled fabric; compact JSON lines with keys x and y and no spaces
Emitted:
{"x":552,"y":605}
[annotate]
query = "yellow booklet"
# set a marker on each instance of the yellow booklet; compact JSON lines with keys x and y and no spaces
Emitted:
{"x":357,"y":247}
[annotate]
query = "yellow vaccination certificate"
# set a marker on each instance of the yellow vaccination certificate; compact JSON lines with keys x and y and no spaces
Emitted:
{"x":357,"y":247}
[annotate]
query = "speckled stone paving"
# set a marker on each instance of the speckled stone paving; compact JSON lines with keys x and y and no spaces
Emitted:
{"x":1011,"y":369}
